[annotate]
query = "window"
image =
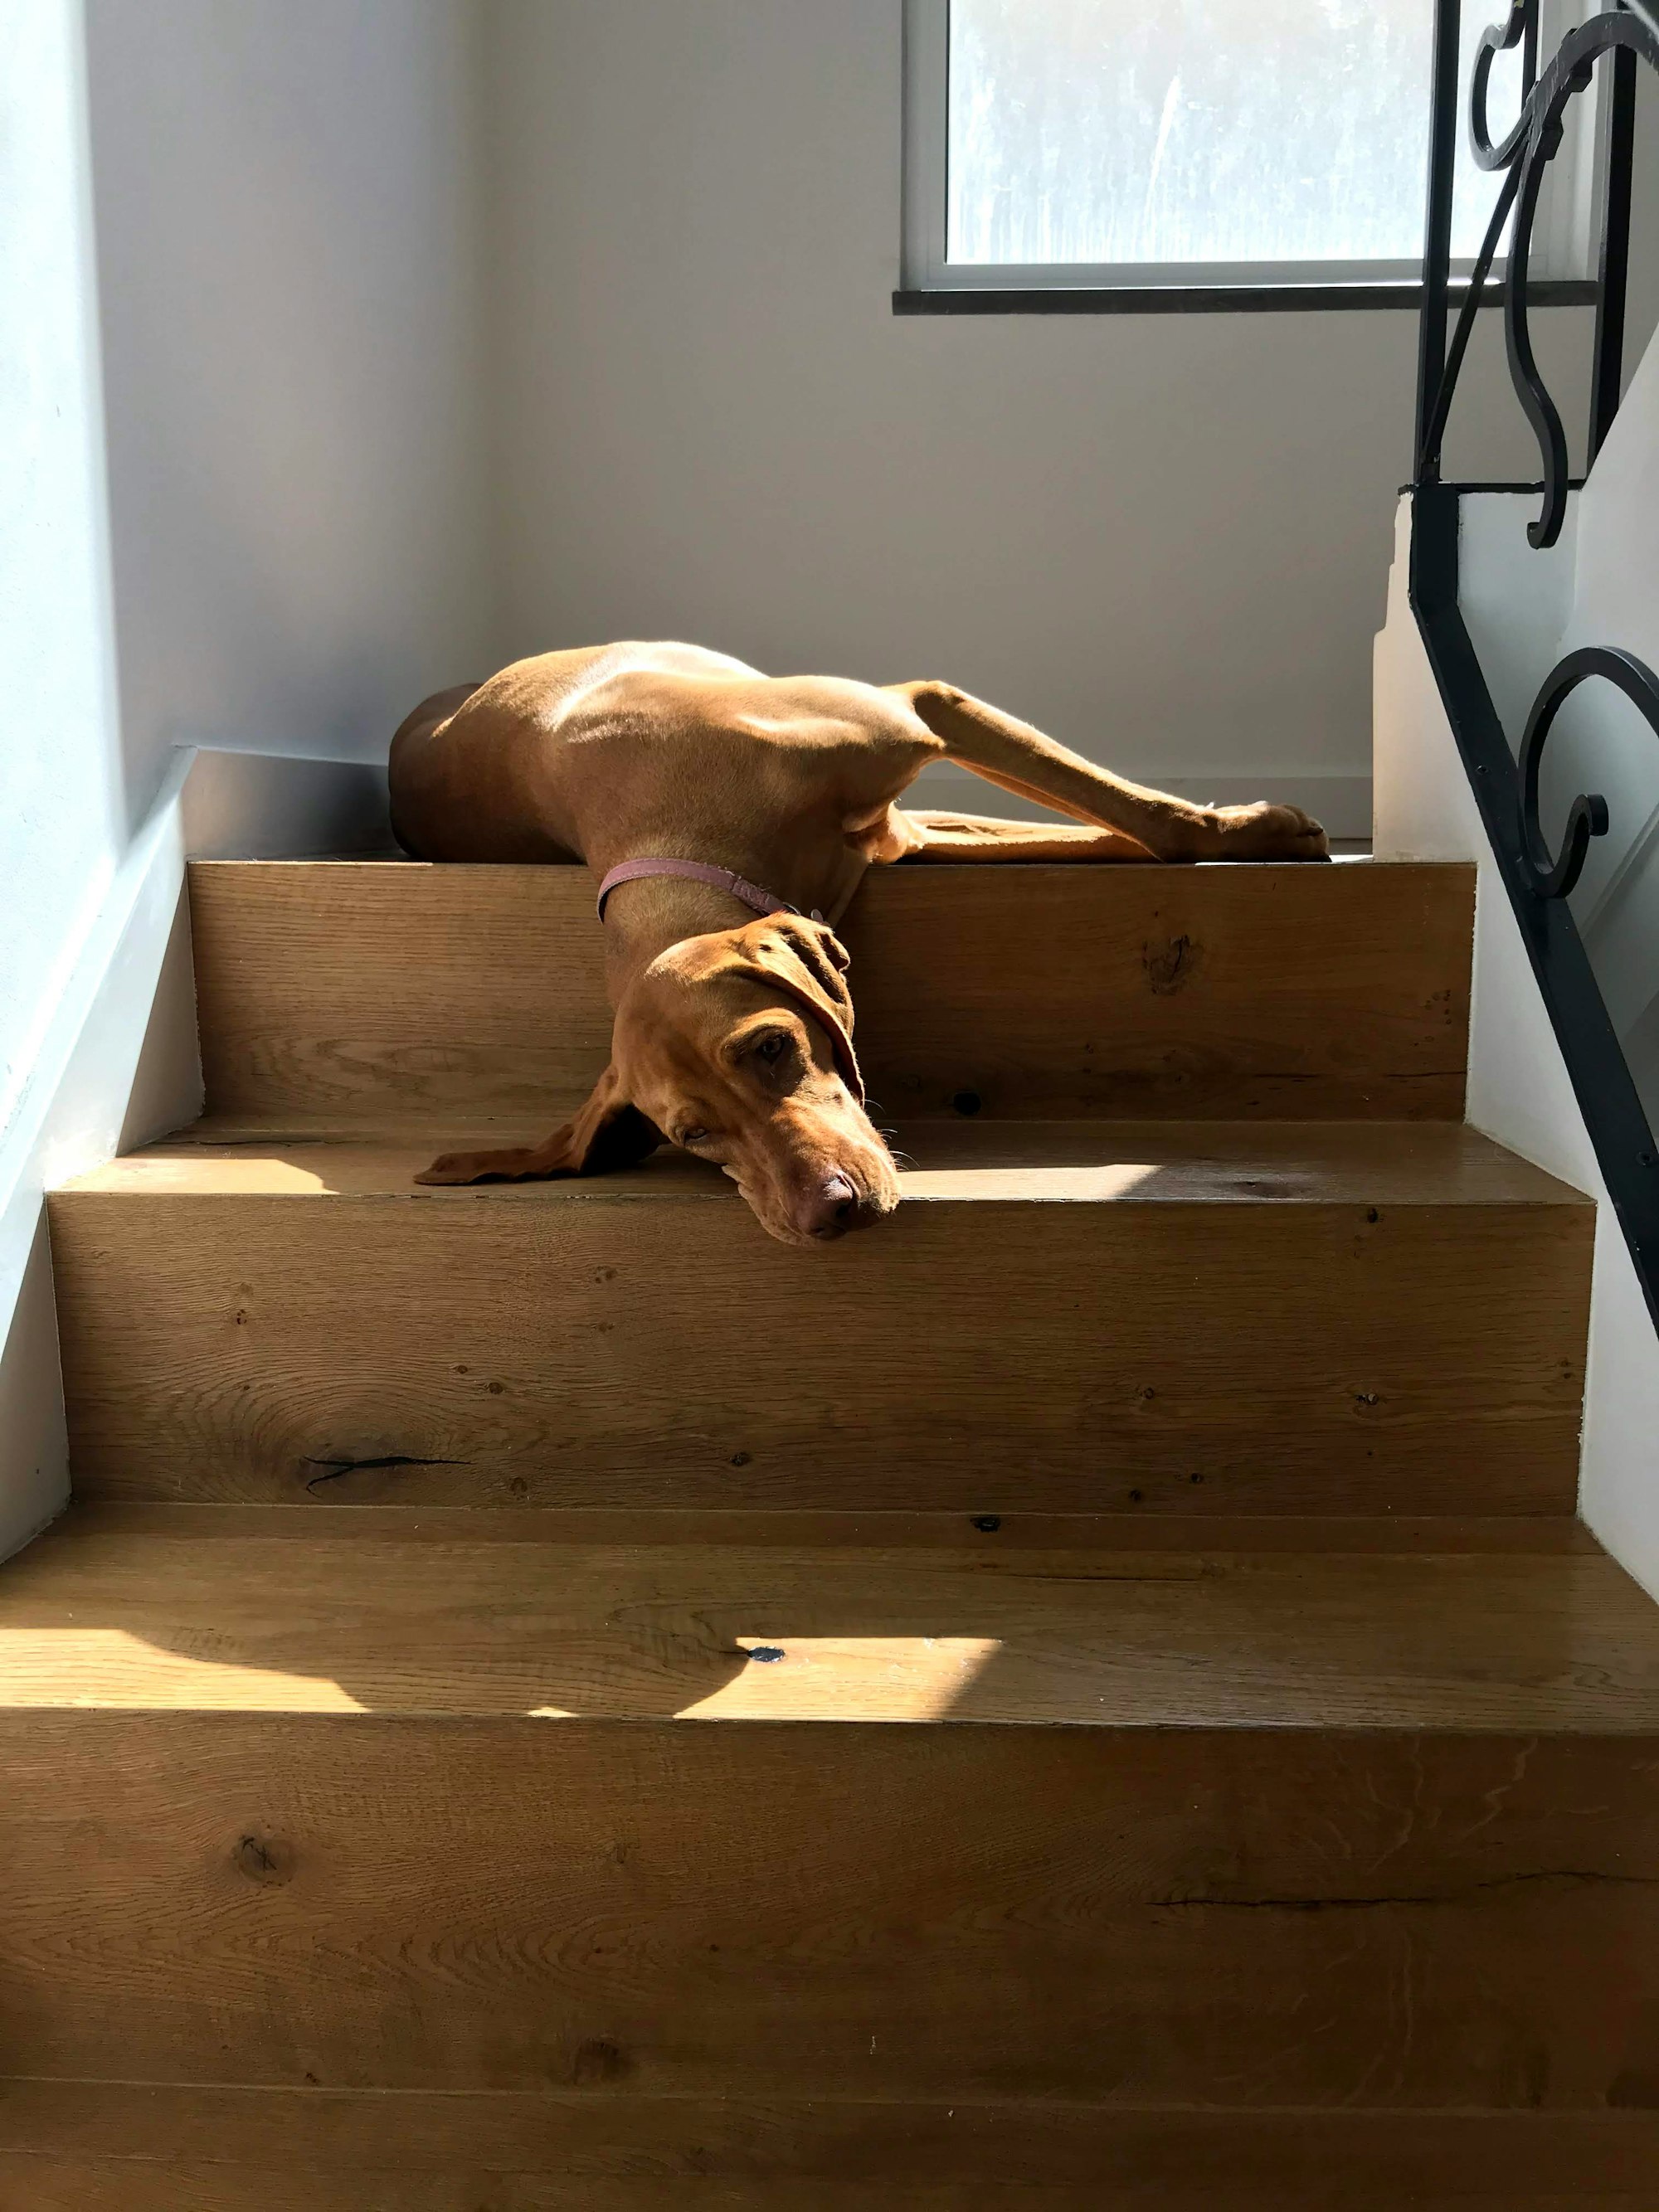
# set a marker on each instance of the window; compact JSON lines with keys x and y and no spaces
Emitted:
{"x":1149,"y":143}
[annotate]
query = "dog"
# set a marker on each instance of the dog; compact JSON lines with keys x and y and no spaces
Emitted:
{"x":729,"y":816}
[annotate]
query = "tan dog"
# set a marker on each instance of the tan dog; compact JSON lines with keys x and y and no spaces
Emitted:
{"x":733,"y":1035}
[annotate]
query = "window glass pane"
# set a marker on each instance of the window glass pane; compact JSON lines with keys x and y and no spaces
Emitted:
{"x":1221,"y":131}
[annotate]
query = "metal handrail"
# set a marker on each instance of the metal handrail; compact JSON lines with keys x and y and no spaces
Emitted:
{"x":1628,"y":31}
{"x":1505,"y":789}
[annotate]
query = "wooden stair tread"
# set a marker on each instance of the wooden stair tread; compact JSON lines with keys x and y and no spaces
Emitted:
{"x":134,"y":1614}
{"x":961,"y":1161}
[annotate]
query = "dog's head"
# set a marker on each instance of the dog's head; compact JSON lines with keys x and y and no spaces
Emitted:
{"x":738,"y":1047}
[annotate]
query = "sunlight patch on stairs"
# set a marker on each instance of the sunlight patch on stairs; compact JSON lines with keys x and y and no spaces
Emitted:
{"x":917,"y":1678}
{"x":111,"y":1667}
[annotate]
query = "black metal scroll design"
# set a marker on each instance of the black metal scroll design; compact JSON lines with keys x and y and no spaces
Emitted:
{"x":1592,"y":1054}
{"x":1567,"y":76}
{"x":1555,"y":879}
{"x":1503,"y":39}
{"x":1428,"y":461}
{"x":1525,"y":152}
{"x":1505,"y":789}
{"x":1520,"y":28}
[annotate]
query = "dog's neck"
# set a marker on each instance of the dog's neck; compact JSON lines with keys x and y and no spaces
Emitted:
{"x":644,"y":917}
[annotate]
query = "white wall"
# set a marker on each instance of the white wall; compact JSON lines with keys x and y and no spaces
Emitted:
{"x":289,"y":548}
{"x":1643,"y":304}
{"x":1164,"y":539}
{"x":59,"y":827}
{"x":1603,"y":744}
{"x":1524,"y":609}
{"x":286,"y":211}
{"x":61,"y":832}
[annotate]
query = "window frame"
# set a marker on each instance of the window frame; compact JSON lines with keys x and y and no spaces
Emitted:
{"x":929,"y":283}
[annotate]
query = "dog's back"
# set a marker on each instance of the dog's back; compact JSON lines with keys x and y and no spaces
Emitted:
{"x":469,"y":769}
{"x":556,"y":754}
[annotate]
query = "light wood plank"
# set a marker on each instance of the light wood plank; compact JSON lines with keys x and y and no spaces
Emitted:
{"x":972,"y":1163}
{"x":302,"y":1620}
{"x":1132,"y":1917}
{"x":299,"y":1620}
{"x":965,"y":1536}
{"x":347,"y":988}
{"x":1354,"y":1321}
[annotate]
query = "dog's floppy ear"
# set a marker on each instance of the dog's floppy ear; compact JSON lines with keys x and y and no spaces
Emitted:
{"x":608,"y":1133}
{"x":808,"y":961}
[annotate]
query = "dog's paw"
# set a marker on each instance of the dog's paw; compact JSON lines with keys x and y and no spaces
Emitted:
{"x":1266,"y":832}
{"x":475,"y":1167}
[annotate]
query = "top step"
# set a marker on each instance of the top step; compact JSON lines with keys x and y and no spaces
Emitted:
{"x":347,"y":992}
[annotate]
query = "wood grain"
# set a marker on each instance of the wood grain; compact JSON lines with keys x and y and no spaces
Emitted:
{"x":964,"y":1162}
{"x":352,"y":1853}
{"x":1129,"y":1917}
{"x":967,"y":1536}
{"x":1354,"y":1322}
{"x":41,"y":2186}
{"x":72,"y":2147}
{"x":370,"y":988}
{"x":134,"y":1614}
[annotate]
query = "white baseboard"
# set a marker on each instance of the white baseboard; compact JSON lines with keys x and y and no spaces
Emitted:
{"x":1341,"y":802}
{"x":119,"y":1064}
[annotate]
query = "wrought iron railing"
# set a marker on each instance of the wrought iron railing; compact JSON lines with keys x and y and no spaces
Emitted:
{"x":1623,"y":37}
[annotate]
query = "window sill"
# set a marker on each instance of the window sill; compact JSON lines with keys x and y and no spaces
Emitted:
{"x":1219,"y":299}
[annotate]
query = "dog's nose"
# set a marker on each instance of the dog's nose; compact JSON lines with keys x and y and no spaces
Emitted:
{"x":833,"y":1210}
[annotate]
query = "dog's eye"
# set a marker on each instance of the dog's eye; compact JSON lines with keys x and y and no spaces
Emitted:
{"x":772,"y":1047}
{"x":692,"y":1136}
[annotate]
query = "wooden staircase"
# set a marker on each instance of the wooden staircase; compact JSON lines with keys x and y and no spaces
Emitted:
{"x":1093,"y":1695}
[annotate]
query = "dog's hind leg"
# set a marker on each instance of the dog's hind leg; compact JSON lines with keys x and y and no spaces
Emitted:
{"x":966,"y":838}
{"x":408,"y":741}
{"x":1017,"y":758}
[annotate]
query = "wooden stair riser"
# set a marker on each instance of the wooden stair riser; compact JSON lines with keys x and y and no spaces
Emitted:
{"x":1124,"y":1917}
{"x":367,"y":992}
{"x":980,"y":1359}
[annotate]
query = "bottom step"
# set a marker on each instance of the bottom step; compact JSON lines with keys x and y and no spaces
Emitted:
{"x":413,"y":1866}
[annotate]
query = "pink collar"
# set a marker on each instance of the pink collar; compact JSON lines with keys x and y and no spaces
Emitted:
{"x":698,"y":872}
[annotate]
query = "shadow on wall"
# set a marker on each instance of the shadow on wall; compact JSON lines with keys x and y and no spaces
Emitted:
{"x":35,"y":1447}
